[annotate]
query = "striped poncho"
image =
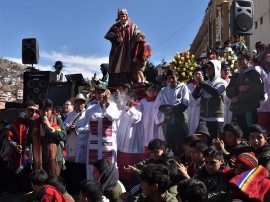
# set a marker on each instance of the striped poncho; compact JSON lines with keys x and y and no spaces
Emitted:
{"x":142,"y":51}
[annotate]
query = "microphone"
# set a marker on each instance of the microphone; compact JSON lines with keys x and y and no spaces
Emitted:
{"x":45,"y":118}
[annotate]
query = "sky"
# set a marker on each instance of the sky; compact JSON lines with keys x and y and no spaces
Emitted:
{"x":73,"y":31}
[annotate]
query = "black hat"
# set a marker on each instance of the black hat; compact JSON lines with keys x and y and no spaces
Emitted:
{"x":58,"y":64}
{"x":100,"y":87}
{"x":202,"y":129}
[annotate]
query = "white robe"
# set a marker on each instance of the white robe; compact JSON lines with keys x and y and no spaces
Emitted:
{"x":193,"y":110}
{"x":76,"y":140}
{"x":227,"y":112}
{"x":102,"y":139}
{"x":151,"y":130}
{"x":130,"y":136}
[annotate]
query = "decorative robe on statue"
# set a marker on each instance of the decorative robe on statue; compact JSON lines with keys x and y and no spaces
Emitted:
{"x":193,"y":110}
{"x":17,"y":136}
{"x":102,"y":139}
{"x":76,"y":140}
{"x":130,"y":138}
{"x":120,"y":60}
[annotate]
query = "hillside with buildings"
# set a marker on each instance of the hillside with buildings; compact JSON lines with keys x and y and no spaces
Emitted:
{"x":11,"y":82}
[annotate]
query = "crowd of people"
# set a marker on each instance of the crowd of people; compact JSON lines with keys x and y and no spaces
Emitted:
{"x":202,"y":141}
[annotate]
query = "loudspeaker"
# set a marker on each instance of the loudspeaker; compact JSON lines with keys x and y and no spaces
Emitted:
{"x":58,"y":93}
{"x":241,"y":17}
{"x":35,"y":85}
{"x":30,"y":51}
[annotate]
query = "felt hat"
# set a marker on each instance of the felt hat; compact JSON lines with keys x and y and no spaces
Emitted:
{"x":58,"y":64}
{"x":79,"y":96}
{"x":248,"y":159}
{"x":122,"y":11}
{"x":202,"y":129}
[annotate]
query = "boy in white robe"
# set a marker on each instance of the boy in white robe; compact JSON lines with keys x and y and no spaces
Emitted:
{"x":194,"y":104}
{"x":130,"y":135}
{"x":77,"y":128}
{"x":152,"y":130}
{"x":102,"y":139}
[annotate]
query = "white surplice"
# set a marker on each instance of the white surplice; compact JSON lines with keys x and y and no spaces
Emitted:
{"x":151,"y":129}
{"x":102,"y":139}
{"x":193,"y":110}
{"x":76,"y":140}
{"x":227,"y":112}
{"x":130,"y":135}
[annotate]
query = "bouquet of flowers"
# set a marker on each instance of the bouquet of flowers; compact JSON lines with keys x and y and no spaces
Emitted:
{"x":230,"y":59}
{"x":185,"y":64}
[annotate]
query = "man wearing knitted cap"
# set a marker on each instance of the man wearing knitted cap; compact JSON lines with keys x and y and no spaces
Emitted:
{"x":122,"y":36}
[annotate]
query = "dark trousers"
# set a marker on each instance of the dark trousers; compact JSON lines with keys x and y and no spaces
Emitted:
{"x":245,"y":121}
{"x":214,"y":128}
{"x":5,"y":177}
{"x":175,"y":134}
{"x":26,"y":184}
{"x":73,"y":175}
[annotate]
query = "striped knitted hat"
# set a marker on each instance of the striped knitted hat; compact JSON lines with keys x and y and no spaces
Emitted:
{"x":248,"y":159}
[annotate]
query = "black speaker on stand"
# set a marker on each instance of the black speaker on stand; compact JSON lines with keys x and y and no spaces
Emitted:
{"x":241,"y":17}
{"x":30,"y":51}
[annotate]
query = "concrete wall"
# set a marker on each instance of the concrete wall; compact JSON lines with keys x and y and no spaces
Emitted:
{"x":261,"y":9}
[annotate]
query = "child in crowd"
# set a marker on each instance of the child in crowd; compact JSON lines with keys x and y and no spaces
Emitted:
{"x":197,"y":147}
{"x":107,"y":174}
{"x":235,"y":144}
{"x":130,"y":136}
{"x":151,"y":128}
{"x":91,"y":191}
{"x":185,"y":156}
{"x":142,"y":52}
{"x":154,"y":182}
{"x":242,"y":163}
{"x":59,"y":184}
{"x":260,"y":146}
{"x":203,"y":134}
{"x":38,"y":179}
{"x":190,"y":190}
{"x":211,"y":174}
{"x":157,"y":151}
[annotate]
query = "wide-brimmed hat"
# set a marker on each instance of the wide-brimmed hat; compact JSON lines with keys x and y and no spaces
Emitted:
{"x":58,"y":64}
{"x":79,"y":96}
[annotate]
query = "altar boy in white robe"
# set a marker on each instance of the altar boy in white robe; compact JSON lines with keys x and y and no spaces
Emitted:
{"x":193,"y":109}
{"x":77,"y":128}
{"x":130,"y":135}
{"x":102,"y":139}
{"x":152,"y":127}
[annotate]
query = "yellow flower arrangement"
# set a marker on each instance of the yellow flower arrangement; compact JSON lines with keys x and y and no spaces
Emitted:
{"x":185,"y":64}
